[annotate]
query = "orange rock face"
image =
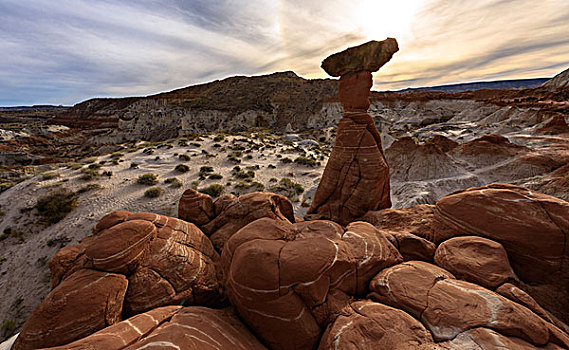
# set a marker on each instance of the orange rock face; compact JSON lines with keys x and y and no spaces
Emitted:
{"x":228,"y":213}
{"x":475,"y":259}
{"x":162,"y":260}
{"x":124,"y":333}
{"x":84,"y":303}
{"x":200,"y":328}
{"x":289,"y":279}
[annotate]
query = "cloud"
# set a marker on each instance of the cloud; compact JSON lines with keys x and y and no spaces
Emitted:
{"x":66,"y":51}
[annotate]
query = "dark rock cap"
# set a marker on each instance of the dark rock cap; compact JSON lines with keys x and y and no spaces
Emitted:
{"x":366,"y":57}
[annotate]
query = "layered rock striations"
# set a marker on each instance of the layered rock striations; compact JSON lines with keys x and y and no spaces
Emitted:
{"x":356,"y":178}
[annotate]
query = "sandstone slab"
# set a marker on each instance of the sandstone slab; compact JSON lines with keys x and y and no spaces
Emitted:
{"x":366,"y":57}
{"x":200,"y":328}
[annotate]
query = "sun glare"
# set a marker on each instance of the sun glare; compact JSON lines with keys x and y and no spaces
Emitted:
{"x":379,"y":19}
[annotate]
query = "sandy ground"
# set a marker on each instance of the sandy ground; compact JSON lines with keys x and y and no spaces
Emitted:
{"x":24,"y":262}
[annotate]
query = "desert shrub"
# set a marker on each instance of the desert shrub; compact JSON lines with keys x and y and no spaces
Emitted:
{"x":148,"y":179}
{"x":74,"y":166}
{"x":134,"y":165}
{"x":107,"y":173}
{"x":94,"y":166}
{"x":182,"y":142}
{"x":234,"y":157}
{"x":9,"y":326}
{"x":56,"y":205}
{"x":194,"y":185}
{"x":89,"y":174}
{"x":250,"y":186}
{"x":216,"y":145}
{"x":214,"y":190}
{"x":184,"y":157}
{"x":89,"y":188}
{"x":58,"y":241}
{"x":153,"y":192}
{"x":5,"y":185}
{"x":218,"y":138}
{"x":285,"y":160}
{"x":206,"y":169}
{"x":271,"y":166}
{"x":305,"y":161}
{"x":148,"y":151}
{"x":174,"y":182}
{"x":241,"y":174}
{"x":116,"y":155}
{"x":182,"y":168}
{"x":288,"y":188}
{"x":237,"y":147}
{"x":49,"y":175}
{"x":215,"y":176}
{"x":195,"y":144}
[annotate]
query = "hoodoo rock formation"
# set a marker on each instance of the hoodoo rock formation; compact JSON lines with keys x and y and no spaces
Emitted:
{"x":356,"y":178}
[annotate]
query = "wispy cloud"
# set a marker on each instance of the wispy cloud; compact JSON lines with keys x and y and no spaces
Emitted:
{"x":66,"y":51}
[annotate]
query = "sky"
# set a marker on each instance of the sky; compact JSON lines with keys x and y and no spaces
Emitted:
{"x":67,"y":51}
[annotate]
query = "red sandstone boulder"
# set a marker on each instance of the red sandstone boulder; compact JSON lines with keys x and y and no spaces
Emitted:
{"x":408,"y":229}
{"x":287,"y":279}
{"x":531,"y":226}
{"x":82,"y":304}
{"x":166,"y":260}
{"x":232,"y":213}
{"x":488,"y":339}
{"x":200,"y":328}
{"x":196,"y":207}
{"x":475,"y":259}
{"x":125,"y":333}
{"x":122,"y":247}
{"x":449,"y":307}
{"x":366,"y":325}
{"x":406,"y":286}
{"x":446,"y":313}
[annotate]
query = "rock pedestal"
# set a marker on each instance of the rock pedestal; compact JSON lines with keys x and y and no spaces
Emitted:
{"x":356,"y":178}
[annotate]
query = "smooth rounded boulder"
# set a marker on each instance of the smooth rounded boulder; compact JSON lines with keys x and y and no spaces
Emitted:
{"x":230,"y":213}
{"x":82,"y":304}
{"x":288,"y":278}
{"x":166,"y":260}
{"x":531,"y":226}
{"x":475,"y":259}
{"x":366,"y":325}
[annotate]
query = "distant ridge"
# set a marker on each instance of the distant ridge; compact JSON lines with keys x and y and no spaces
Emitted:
{"x":498,"y":84}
